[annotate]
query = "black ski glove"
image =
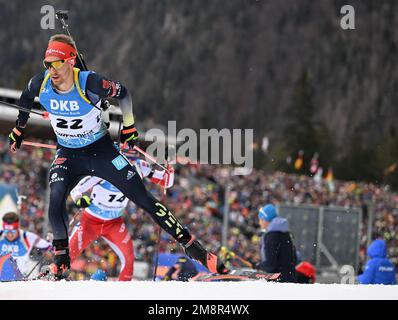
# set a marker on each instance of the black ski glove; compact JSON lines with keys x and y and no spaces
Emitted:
{"x":15,"y":138}
{"x":129,"y":134}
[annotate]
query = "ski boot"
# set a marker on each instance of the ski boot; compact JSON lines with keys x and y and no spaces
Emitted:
{"x":195,"y":250}
{"x":60,"y":269}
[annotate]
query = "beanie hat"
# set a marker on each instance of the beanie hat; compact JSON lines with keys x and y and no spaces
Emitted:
{"x":10,"y":221}
{"x":267,"y":213}
{"x":307,"y":269}
{"x":99,"y":275}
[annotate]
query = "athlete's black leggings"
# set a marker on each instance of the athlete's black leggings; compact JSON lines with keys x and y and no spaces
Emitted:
{"x":102,"y":159}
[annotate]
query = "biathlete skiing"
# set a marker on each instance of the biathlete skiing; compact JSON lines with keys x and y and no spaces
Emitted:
{"x":20,"y":243}
{"x":84,"y":148}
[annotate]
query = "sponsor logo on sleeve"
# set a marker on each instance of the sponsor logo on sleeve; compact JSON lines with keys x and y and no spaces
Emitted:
{"x":120,"y":162}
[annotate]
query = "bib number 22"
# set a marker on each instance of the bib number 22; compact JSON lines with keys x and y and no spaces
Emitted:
{"x":72,"y":124}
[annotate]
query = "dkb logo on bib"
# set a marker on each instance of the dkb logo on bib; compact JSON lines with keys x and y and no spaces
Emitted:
{"x":62,"y":105}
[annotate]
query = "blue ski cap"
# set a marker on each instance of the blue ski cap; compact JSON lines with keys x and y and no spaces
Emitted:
{"x":267,"y":213}
{"x":99,"y":275}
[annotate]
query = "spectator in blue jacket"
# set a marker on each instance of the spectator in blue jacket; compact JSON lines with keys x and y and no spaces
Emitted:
{"x":378,"y":270}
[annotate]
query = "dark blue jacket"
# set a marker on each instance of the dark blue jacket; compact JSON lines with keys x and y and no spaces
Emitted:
{"x":378,"y":270}
{"x":186,"y":267}
{"x":277,"y":251}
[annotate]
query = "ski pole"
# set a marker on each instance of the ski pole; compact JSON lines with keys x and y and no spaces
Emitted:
{"x":39,"y":145}
{"x":244,"y":261}
{"x":32,"y":144}
{"x":155,"y":269}
{"x":75,"y":220}
{"x":34,"y":267}
{"x":38,"y":262}
{"x":224,"y":251}
{"x":160,"y":230}
{"x":159,"y":235}
{"x":39,"y":113}
{"x":147,"y":155}
{"x":44,"y":115}
{"x":166,"y":182}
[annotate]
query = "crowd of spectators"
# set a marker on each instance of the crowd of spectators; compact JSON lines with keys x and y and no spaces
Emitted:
{"x":198,"y":200}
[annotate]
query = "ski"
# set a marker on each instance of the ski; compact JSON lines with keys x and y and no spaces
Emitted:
{"x":44,"y":275}
{"x":239,"y":275}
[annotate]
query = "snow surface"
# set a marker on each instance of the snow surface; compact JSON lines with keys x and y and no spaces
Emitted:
{"x":147,"y":290}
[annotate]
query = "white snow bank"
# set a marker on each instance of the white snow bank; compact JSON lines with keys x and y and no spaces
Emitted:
{"x":146,"y":290}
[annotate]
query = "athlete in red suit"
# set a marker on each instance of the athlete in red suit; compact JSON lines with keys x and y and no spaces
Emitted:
{"x":102,"y":216}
